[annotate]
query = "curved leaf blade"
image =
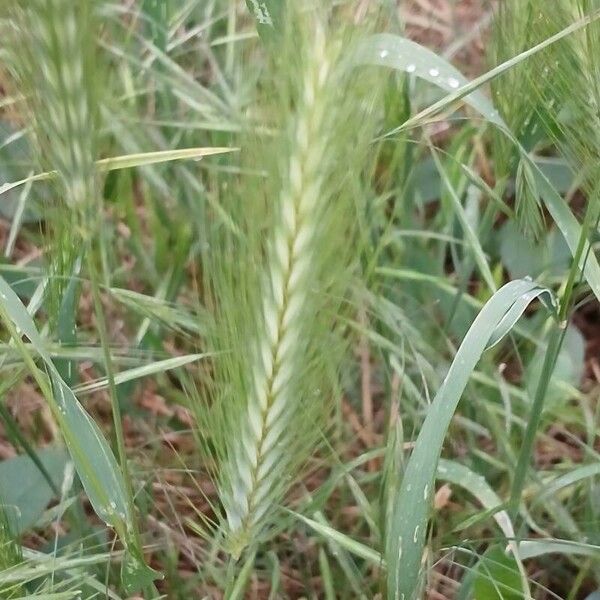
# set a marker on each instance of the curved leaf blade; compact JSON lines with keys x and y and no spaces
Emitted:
{"x":402,"y":54}
{"x":93,"y":459}
{"x":407,"y":534}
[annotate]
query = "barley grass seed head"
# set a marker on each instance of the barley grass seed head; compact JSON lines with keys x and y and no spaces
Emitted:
{"x":279,"y":284}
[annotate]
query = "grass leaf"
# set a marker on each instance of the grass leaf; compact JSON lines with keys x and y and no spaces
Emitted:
{"x":332,"y":535}
{"x":128,"y":161}
{"x":408,"y":529}
{"x":91,"y":454}
{"x":402,"y":54}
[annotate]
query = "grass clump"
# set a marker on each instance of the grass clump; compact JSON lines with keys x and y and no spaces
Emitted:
{"x":371,"y":278}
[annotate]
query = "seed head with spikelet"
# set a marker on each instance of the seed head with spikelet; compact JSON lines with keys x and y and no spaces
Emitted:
{"x":279,"y":296}
{"x":51,"y":51}
{"x":52,"y":56}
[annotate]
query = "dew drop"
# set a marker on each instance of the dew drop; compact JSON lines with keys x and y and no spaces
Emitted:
{"x":453,"y":83}
{"x":426,"y":492}
{"x":411,"y":68}
{"x":434,"y":72}
{"x":416,"y":534}
{"x":383,"y":53}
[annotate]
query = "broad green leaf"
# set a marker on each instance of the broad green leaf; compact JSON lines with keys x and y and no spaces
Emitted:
{"x":557,"y":171}
{"x":267,"y":14}
{"x":24,"y":492}
{"x":408,"y":530}
{"x":497,"y":576}
{"x":523,"y":257}
{"x":568,"y":372}
{"x":135,"y":573}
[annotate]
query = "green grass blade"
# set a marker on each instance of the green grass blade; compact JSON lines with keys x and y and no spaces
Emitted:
{"x":128,"y":161}
{"x":476,"y":485}
{"x":469,"y":231}
{"x":238,"y":588}
{"x":408,"y":529}
{"x":570,"y":478}
{"x":95,"y":463}
{"x":569,"y":227}
{"x":91,"y":454}
{"x":143,"y":159}
{"x":341,"y":539}
{"x":402,"y":54}
{"x":143,"y":371}
{"x":534,"y":548}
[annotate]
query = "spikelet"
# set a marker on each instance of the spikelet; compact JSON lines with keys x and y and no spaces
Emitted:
{"x":280,"y":293}
{"x":51,"y":59}
{"x":50,"y":48}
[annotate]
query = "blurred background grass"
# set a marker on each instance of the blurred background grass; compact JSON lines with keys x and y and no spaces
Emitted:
{"x":451,"y":215}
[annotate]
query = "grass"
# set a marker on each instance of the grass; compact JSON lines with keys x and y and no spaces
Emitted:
{"x":299,"y":300}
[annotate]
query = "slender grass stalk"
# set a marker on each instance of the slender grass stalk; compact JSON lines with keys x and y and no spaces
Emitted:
{"x":535,"y":416}
{"x":555,"y":343}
